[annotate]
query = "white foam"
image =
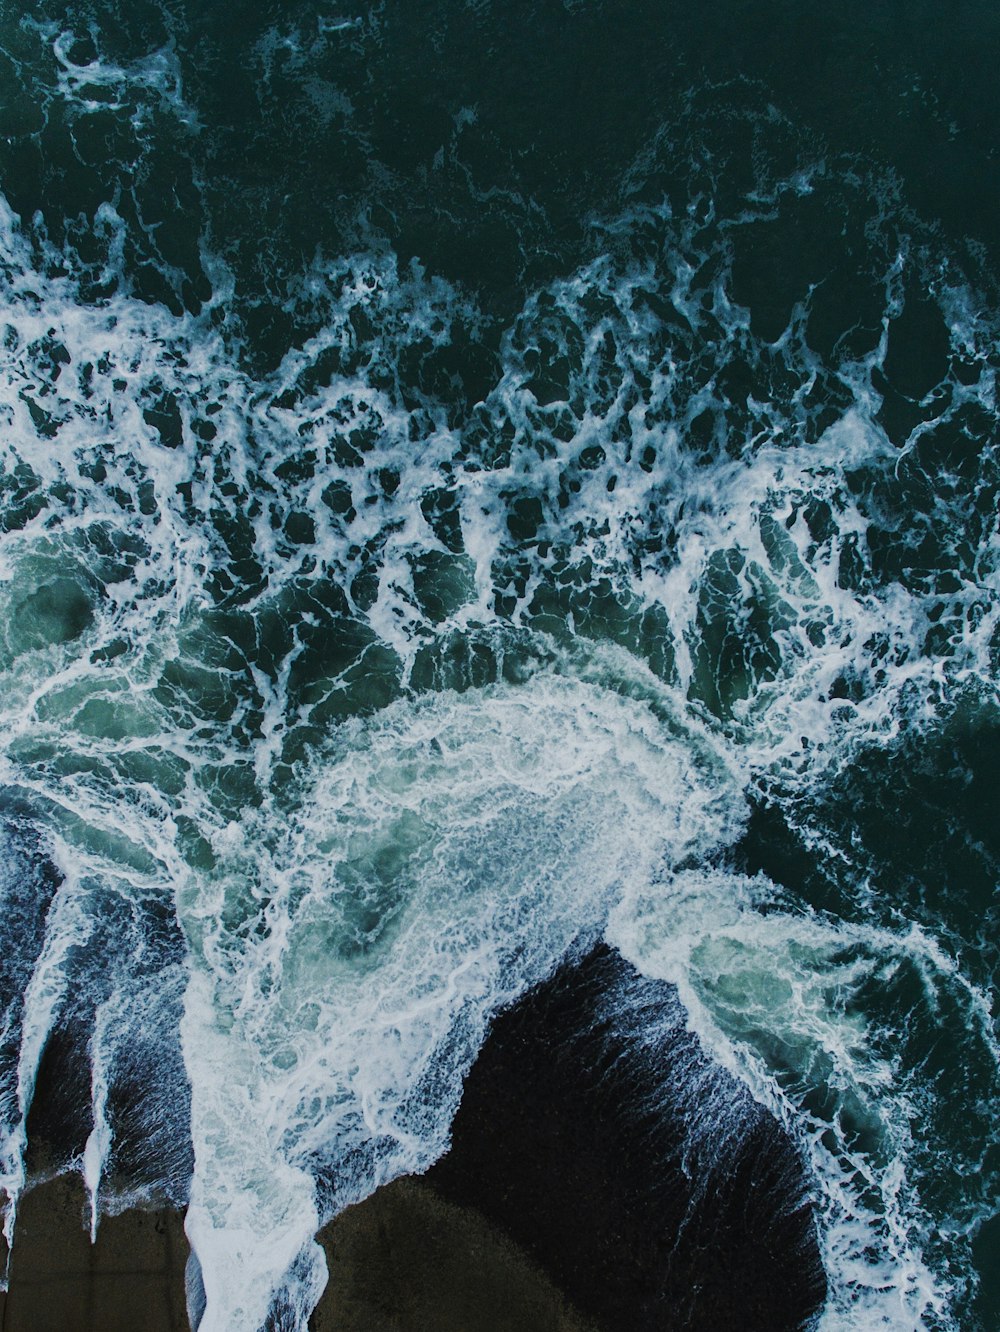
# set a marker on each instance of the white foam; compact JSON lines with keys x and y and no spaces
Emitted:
{"x":436,"y":862}
{"x":358,"y":897}
{"x":98,"y":1145}
{"x":120,"y":85}
{"x":778,"y":995}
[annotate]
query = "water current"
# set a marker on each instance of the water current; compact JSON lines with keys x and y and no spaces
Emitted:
{"x":473,"y":485}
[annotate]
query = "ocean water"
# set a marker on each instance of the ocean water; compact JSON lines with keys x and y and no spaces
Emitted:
{"x":476,"y":480}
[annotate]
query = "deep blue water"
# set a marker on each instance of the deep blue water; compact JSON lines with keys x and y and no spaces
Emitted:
{"x":476,"y":480}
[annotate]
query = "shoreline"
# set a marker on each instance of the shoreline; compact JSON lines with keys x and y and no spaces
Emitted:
{"x":404,"y":1260}
{"x":603,"y":1176}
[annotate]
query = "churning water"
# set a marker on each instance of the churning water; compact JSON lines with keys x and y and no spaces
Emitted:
{"x":450,"y":515}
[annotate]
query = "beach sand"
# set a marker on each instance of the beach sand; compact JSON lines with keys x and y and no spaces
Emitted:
{"x":566,"y":1196}
{"x":403,"y":1261}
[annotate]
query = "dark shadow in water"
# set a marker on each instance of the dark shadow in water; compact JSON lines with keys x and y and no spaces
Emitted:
{"x":646,"y":1181}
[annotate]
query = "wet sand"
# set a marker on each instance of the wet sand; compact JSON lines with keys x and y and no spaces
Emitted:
{"x":403,"y":1261}
{"x":409,"y":1261}
{"x":132,"y":1278}
{"x":567,"y":1202}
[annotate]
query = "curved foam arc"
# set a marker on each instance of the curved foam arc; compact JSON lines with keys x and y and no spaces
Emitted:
{"x":779,"y":996}
{"x":497,"y":826}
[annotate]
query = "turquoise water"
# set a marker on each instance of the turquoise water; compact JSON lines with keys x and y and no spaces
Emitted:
{"x":475,"y":483}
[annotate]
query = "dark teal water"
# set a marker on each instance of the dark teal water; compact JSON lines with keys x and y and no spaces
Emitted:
{"x":478,"y":479}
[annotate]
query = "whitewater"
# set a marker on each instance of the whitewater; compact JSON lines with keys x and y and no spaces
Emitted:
{"x":336,"y":712}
